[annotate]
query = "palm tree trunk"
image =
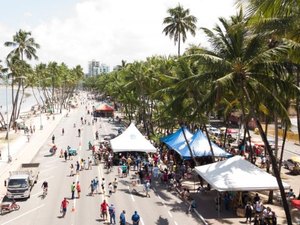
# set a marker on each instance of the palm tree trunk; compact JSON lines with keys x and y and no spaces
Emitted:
{"x":273,"y":161}
{"x":282,"y":147}
{"x":276,"y":173}
{"x":298,"y":105}
{"x":188,"y":145}
{"x":209,"y":142}
{"x":178,"y":44}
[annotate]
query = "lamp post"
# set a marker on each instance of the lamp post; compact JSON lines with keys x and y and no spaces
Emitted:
{"x":41,"y":124}
{"x":9,"y":159}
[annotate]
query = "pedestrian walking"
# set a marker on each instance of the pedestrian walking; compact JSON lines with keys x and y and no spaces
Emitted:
{"x":63,"y":207}
{"x":78,"y":188}
{"x":97,"y":135}
{"x":73,"y":188}
{"x":92,"y":186}
{"x":79,"y":131}
{"x":103,"y":185}
{"x":77,"y":167}
{"x":71,"y":170}
{"x":104,"y":208}
{"x":90,"y":163}
{"x":62,"y":131}
{"x":147,"y":188}
{"x":248,"y":212}
{"x":61,"y":153}
{"x":66,"y":155}
{"x":115,"y":183}
{"x":112,"y":214}
{"x":110,"y":188}
{"x":53,"y":139}
{"x":96,"y":181}
{"x":123,"y":218}
{"x":135,"y":218}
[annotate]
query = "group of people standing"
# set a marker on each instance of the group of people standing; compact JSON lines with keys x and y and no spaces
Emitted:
{"x":106,"y":209}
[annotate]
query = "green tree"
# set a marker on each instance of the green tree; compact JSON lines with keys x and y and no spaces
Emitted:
{"x":179,"y":22}
{"x":241,"y":63}
{"x":24,"y":46}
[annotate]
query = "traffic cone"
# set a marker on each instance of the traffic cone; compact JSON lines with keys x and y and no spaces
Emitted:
{"x":73,"y":208}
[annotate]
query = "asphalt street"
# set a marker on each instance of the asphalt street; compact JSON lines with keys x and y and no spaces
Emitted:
{"x":162,"y":208}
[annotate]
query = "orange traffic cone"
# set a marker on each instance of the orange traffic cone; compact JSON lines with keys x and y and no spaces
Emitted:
{"x":73,"y":208}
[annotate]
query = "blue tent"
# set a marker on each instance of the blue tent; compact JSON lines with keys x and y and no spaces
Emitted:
{"x":177,"y":137}
{"x":199,"y":146}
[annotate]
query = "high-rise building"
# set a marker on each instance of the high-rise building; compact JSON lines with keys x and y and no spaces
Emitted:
{"x":95,"y":68}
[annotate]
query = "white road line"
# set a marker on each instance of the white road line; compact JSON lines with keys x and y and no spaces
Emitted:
{"x":39,"y":193}
{"x":46,"y":170}
{"x":24,"y":214}
{"x":170,"y":214}
{"x":42,"y":180}
{"x":142,"y":221}
{"x":131,"y":194}
{"x":175,"y":223}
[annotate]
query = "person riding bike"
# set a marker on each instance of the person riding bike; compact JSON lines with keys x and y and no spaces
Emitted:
{"x":45,"y":187}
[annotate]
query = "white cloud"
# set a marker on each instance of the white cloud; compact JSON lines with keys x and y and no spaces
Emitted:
{"x":115,"y":30}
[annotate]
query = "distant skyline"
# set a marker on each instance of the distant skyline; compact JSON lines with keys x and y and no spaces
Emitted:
{"x":78,"y":31}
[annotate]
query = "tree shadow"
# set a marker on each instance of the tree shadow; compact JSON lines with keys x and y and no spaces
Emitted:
{"x":162,"y":221}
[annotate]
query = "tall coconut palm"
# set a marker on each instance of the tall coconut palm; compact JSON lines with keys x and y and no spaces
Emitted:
{"x":242,"y":63}
{"x":24,"y":46}
{"x":179,"y":22}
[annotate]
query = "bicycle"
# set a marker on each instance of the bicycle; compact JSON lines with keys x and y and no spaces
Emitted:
{"x":8,"y":207}
{"x":45,"y":192}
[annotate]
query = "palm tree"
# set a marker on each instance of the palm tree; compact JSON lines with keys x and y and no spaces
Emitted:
{"x":241,"y":63}
{"x":179,"y":22}
{"x":23,"y":45}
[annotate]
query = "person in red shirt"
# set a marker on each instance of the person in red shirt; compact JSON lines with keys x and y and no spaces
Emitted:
{"x":104,"y":209}
{"x":78,"y":188}
{"x":64,"y":205}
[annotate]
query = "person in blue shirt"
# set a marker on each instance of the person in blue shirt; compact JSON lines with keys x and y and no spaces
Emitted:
{"x":122,"y":218}
{"x":135,"y":218}
{"x":112,"y":214}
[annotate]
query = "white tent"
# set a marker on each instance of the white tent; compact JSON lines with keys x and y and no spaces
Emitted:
{"x":131,"y":140}
{"x":237,"y":174}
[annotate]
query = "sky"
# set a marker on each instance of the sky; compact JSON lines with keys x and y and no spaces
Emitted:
{"x":78,"y":31}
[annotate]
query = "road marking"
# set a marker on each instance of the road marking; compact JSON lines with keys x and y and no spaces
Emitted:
{"x":24,"y":214}
{"x":131,"y":194}
{"x":51,"y":168}
{"x":170,"y":214}
{"x":142,"y":221}
{"x":175,"y":223}
{"x":47,"y":178}
{"x":39,"y":193}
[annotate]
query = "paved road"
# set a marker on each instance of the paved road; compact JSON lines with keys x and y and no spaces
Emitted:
{"x":163,"y":208}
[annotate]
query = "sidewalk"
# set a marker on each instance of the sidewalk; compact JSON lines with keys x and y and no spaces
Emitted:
{"x":23,"y":151}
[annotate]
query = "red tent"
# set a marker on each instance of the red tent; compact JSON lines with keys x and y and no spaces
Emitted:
{"x":104,"y":110}
{"x":105,"y":107}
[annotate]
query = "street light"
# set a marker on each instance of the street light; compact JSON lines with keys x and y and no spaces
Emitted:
{"x":9,"y":159}
{"x":41,"y":124}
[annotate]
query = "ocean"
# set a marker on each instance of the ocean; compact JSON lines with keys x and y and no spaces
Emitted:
{"x":28,"y":102}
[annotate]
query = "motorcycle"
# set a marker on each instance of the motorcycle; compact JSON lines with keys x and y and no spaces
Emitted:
{"x":7,"y":207}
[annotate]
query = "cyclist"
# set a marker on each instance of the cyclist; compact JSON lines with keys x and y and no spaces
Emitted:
{"x":45,"y":188}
